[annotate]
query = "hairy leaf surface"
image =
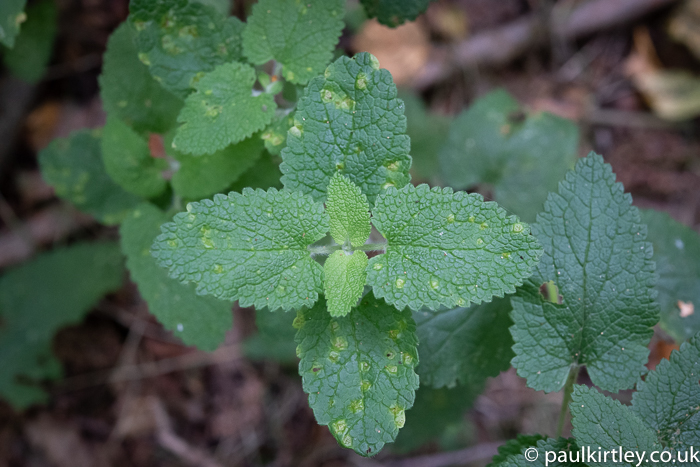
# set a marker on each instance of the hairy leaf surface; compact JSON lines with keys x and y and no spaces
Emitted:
{"x":299,"y":35}
{"x":596,"y":254}
{"x":197,"y":320}
{"x":513,"y":453}
{"x":522,"y":155}
{"x":349,"y":212}
{"x":250,"y":247}
{"x":358,"y":371}
{"x":202,"y":176}
{"x":395,"y":12}
{"x":447,"y":249}
{"x":344,"y":281}
{"x":349,"y":121}
{"x":11,"y":18}
{"x":223,"y":111}
{"x":73,"y":167}
{"x":668,"y":400}
{"x":465,"y":345}
{"x":128,"y":90}
{"x":602,"y":421}
{"x":180,"y":40}
{"x":127,"y":159}
{"x":676,"y":252}
{"x":71,"y":281}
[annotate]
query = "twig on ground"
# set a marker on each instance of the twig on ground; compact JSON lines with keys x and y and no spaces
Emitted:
{"x":47,"y":226}
{"x":501,"y":45}
{"x":443,"y":459}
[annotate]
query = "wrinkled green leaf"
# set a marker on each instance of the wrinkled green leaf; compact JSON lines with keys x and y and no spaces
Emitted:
{"x":344,"y":281}
{"x":201,"y":176}
{"x":349,"y":121}
{"x":349,"y":212}
{"x":180,"y":41}
{"x":668,"y":400}
{"x":250,"y":247}
{"x":223,"y":111}
{"x":299,"y":35}
{"x":73,"y":167}
{"x":358,"y":371}
{"x":596,"y":254}
{"x":199,"y":321}
{"x":31,"y":53}
{"x":533,"y":451}
{"x":677,"y":256}
{"x":395,"y":12}
{"x":465,"y":345}
{"x":600,"y":421}
{"x":447,"y":249}
{"x":523,"y":156}
{"x":38,"y":298}
{"x":127,"y":160}
{"x":128,"y":90}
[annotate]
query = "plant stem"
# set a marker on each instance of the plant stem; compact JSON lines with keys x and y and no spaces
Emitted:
{"x":327,"y":250}
{"x":568,"y":390}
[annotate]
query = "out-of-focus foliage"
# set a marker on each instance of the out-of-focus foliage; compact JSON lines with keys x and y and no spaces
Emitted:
{"x":36,"y":300}
{"x":32,"y":50}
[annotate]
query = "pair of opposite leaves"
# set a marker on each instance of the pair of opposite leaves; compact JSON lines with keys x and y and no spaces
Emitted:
{"x":443,"y":248}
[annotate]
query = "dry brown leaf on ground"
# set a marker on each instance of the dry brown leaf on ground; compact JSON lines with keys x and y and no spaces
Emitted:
{"x":684,"y":25}
{"x":62,"y":444}
{"x":672,"y":94}
{"x":403,"y":50}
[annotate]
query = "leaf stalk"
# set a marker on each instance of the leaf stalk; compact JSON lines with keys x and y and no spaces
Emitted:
{"x":568,"y":390}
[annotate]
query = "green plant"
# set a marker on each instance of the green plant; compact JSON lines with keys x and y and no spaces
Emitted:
{"x":246,"y":108}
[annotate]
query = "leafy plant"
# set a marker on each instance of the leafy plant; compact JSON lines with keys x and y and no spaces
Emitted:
{"x":312,"y":212}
